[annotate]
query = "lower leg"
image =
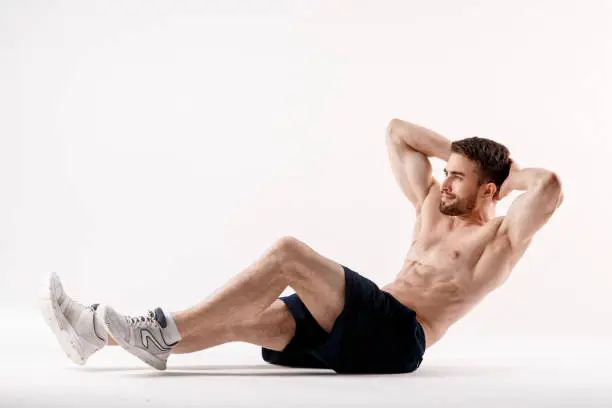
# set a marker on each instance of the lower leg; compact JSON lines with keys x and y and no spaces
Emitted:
{"x":242,"y":311}
{"x":273,"y":328}
{"x":245,"y":296}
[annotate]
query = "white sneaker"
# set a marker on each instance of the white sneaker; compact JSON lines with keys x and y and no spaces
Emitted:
{"x":73,"y":324}
{"x":149,"y":337}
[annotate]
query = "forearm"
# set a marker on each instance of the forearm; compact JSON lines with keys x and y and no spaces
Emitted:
{"x":421,"y":139}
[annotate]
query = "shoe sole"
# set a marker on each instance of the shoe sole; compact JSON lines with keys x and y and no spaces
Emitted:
{"x":138,"y":352}
{"x":66,"y":336}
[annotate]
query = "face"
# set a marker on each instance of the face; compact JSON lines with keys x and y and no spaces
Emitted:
{"x":461,"y":193}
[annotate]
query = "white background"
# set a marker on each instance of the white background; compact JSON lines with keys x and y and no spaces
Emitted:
{"x":151,"y":150}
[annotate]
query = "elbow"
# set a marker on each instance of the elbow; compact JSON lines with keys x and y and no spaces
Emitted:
{"x":548,"y":180}
{"x":559,"y":188}
{"x":396,"y":129}
{"x":560,"y":200}
{"x":395,"y":122}
{"x":553,"y":186}
{"x":554,"y":178}
{"x":392,"y":127}
{"x":554,"y":181}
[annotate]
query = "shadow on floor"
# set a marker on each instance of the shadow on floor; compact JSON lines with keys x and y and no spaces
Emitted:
{"x":425,"y":371}
{"x":212,"y":370}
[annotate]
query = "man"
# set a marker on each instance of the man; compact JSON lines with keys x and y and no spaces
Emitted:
{"x":337,"y":318}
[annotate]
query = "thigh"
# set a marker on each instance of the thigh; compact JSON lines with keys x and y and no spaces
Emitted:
{"x":318,"y":281}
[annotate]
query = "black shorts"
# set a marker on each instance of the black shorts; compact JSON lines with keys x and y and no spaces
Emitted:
{"x":374,"y":333}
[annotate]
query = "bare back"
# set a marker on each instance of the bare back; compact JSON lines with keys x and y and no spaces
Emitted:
{"x":449,"y":271}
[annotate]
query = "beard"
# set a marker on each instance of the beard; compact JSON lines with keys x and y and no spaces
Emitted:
{"x":457,"y":206}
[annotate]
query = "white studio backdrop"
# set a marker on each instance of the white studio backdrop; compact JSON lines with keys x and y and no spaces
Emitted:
{"x":151,"y":150}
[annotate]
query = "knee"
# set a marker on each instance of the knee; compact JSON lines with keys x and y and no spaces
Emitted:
{"x":287,"y":249}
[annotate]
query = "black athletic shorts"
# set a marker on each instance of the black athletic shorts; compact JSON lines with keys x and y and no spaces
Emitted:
{"x":374,"y":333}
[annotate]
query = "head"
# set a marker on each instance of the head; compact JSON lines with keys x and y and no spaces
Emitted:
{"x":475,"y":171}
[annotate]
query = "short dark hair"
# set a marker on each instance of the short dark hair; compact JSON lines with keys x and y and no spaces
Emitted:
{"x":493,"y":158}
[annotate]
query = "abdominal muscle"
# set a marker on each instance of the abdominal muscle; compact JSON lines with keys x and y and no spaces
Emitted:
{"x":438,"y":298}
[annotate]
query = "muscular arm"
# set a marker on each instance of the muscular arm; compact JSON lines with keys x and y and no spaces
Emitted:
{"x":531,"y":210}
{"x":409,"y":146}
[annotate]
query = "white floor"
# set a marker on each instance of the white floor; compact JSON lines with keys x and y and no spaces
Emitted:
{"x":36,"y":373}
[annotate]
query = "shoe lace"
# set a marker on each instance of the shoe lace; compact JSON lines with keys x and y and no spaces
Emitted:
{"x":143,"y":321}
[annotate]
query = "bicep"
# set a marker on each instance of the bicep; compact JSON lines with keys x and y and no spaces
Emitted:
{"x":412,"y":170}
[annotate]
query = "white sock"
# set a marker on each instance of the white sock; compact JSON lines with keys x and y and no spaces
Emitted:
{"x":170,"y":331}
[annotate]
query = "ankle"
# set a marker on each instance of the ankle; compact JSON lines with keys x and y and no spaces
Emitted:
{"x":98,"y":326}
{"x":168,"y":324}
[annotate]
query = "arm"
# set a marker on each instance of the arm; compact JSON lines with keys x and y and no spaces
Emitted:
{"x":409,"y":147}
{"x":531,"y":210}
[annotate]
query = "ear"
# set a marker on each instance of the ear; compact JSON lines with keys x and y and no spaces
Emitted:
{"x":490,"y":190}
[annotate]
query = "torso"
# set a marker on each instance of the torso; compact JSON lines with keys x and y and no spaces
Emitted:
{"x":449,"y":271}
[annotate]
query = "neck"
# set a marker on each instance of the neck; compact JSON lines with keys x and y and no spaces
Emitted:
{"x":478,"y":217}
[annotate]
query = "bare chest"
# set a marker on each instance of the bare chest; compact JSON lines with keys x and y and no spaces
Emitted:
{"x":444,"y":251}
{"x":450,"y":255}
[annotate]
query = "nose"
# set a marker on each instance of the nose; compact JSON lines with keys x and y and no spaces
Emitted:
{"x":445,"y":188}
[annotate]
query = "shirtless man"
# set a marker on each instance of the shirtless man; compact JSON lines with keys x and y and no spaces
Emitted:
{"x":337,"y":318}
